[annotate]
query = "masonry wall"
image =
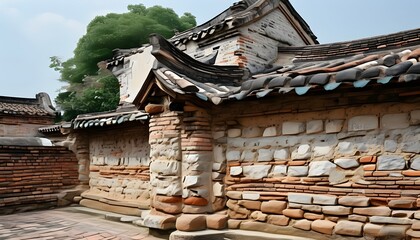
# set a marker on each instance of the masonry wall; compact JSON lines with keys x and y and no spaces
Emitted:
{"x":22,"y":126}
{"x":333,"y":170}
{"x":119,"y":169}
{"x":32,"y":177}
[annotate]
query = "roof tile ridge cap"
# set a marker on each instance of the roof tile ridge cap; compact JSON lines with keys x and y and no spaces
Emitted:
{"x":340,"y":67}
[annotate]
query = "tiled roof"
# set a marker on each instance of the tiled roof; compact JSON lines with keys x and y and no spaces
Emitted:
{"x":355,"y":64}
{"x":39,"y":106}
{"x":108,"y":118}
{"x":237,"y":15}
{"x":50,"y":129}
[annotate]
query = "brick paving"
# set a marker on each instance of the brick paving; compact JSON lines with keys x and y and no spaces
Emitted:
{"x":65,"y":224}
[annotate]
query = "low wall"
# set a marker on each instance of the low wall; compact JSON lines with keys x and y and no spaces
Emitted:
{"x":351,"y":172}
{"x":119,"y":169}
{"x":32,"y":177}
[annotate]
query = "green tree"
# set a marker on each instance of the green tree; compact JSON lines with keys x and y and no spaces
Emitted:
{"x":93,"y":90}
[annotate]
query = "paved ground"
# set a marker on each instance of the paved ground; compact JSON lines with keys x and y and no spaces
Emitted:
{"x":66,"y":224}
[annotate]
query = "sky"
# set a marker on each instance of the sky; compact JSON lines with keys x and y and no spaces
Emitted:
{"x":33,"y":31}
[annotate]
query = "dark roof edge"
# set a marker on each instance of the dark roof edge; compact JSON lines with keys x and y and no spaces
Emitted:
{"x":365,"y":45}
{"x":302,"y":21}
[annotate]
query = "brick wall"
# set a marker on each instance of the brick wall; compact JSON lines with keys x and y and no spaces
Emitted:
{"x":31,"y":177}
{"x":23,"y":126}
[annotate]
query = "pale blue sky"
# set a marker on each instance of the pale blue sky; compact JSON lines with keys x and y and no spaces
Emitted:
{"x":32,"y":31}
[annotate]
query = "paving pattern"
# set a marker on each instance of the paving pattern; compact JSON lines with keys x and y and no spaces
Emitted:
{"x":65,"y":224}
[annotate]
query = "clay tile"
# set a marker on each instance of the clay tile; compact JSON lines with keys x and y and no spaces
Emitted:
{"x":320,"y":79}
{"x":398,"y":69}
{"x":390,"y":60}
{"x":279,"y":81}
{"x":298,"y":81}
{"x":414,"y":69}
{"x":348,"y":75}
{"x":371,"y":73}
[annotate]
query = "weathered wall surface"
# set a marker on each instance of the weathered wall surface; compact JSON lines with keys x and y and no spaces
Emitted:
{"x":22,"y":126}
{"x":119,"y":170}
{"x":349,"y":171}
{"x":32,"y":177}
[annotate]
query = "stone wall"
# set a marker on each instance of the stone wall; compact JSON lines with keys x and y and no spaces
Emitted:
{"x":34,"y":177}
{"x":119,"y":169}
{"x":348,"y":171}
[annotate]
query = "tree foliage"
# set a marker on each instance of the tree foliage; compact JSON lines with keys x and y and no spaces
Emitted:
{"x":91,"y":91}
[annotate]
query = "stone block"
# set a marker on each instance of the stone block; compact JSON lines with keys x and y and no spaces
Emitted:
{"x":320,"y":168}
{"x":346,"y":163}
{"x":256,"y":171}
{"x":354,"y":201}
{"x":334,"y":126}
{"x":218,"y":134}
{"x":302,"y":152}
{"x":193,"y":181}
{"x":303,"y":224}
{"x":248,"y":204}
{"x":251,"y":132}
{"x":358,"y":218}
{"x":323,"y":226}
{"x":218,"y":189}
{"x":297,"y":171}
{"x":216,"y":221}
{"x":190,"y":222}
{"x":265,"y":155}
{"x":403,"y":213}
{"x":159,"y":220}
{"x":259,"y":216}
{"x":234,"y":194}
{"x":336,"y":210}
{"x":234,"y":132}
{"x":322,"y":151}
{"x":233,"y":155}
{"x":196,"y":201}
{"x":324,"y":199}
{"x":412,"y":145}
{"x":234,"y":223}
{"x":390,"y":146}
{"x":293,"y":213}
{"x":249,"y":156}
{"x":415,"y":225}
{"x":281,"y":154}
{"x":413,"y":234}
{"x":270,"y":132}
{"x":415,"y":117}
{"x":373,"y":211}
{"x":395,"y":121}
{"x":235,"y":171}
{"x":273,"y":206}
{"x":311,"y":208}
{"x":372,"y":230}
{"x":345,"y":148}
{"x":363,"y":123}
{"x":302,"y":198}
{"x":292,"y":128}
{"x":219,"y":153}
{"x":313,"y":216}
{"x":278,"y":171}
{"x":314,"y":126}
{"x":415,"y":163}
{"x":390,"y":220}
{"x":250,"y":195}
{"x":279,"y":220}
{"x":349,"y":228}
{"x":402,"y":204}
{"x":390,"y":162}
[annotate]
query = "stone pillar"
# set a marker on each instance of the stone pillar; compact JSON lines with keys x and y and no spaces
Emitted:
{"x":197,"y":152}
{"x":165,"y":170}
{"x":79,"y":144}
